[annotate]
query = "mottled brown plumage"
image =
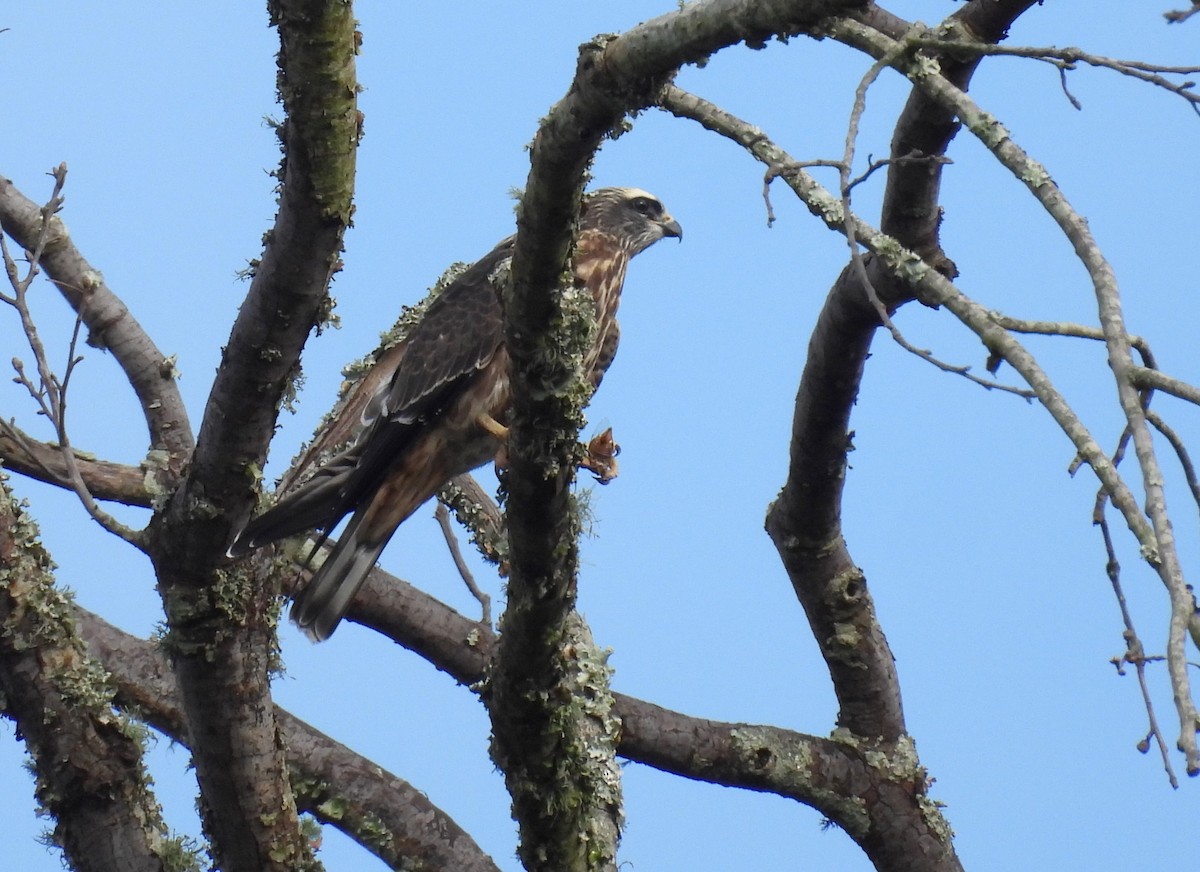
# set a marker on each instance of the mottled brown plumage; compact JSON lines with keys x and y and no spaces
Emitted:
{"x":442,"y":411}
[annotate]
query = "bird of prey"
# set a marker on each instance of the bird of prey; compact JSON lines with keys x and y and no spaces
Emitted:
{"x":443,"y":412}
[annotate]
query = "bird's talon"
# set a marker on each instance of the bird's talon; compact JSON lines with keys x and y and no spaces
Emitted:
{"x":601,"y":457}
{"x":491,"y":425}
{"x":502,"y":458}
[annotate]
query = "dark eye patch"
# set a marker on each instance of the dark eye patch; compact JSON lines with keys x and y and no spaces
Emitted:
{"x":645,"y":206}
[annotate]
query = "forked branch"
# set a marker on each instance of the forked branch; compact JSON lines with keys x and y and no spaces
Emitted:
{"x":49,"y":392}
{"x":1157,"y":538}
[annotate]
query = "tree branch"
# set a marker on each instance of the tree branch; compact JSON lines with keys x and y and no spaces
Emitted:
{"x":1068,"y":59}
{"x":1178,"y":16}
{"x":848,"y":782}
{"x":1148,"y":379}
{"x":1158,"y":542}
{"x":934,"y":290}
{"x":50,"y":391}
{"x":839,"y":779}
{"x":111,"y":325}
{"x":222,"y":622}
{"x":87,"y":758}
{"x":912,"y":196}
{"x":42,"y":461}
{"x":546,"y":648}
{"x":288,"y":295}
{"x":383,"y":813}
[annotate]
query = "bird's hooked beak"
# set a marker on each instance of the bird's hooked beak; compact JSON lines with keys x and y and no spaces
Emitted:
{"x":670,"y":227}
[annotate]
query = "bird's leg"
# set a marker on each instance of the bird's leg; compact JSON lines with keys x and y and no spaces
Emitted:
{"x":491,"y":425}
{"x":601,"y":456}
{"x":487,"y":422}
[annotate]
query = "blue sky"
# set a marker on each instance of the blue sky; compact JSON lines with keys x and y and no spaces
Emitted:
{"x":978,"y":547}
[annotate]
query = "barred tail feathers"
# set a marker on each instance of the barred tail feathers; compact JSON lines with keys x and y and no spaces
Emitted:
{"x":324,"y":601}
{"x":319,"y":503}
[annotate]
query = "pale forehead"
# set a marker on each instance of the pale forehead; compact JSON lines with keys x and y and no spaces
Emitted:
{"x":631,"y":193}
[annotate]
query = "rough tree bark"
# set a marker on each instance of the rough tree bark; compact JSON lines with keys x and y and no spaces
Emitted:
{"x":558,"y":728}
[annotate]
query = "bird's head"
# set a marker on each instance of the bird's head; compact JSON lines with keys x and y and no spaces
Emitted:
{"x":634,"y":216}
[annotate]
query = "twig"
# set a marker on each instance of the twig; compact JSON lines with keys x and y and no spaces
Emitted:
{"x":1185,"y":459}
{"x":50,"y":394}
{"x":860,"y":267}
{"x":773,"y":172}
{"x":930,"y":287}
{"x":1134,"y":651}
{"x":111,"y":326}
{"x":442,"y":514}
{"x":913,"y":157}
{"x":474,"y":508}
{"x":1153,"y":533}
{"x":1064,"y":328}
{"x":1158,"y":381}
{"x":781,"y":165}
{"x":1062,"y":80}
{"x":1158,"y":542}
{"x":1179,"y":16}
{"x":1067,"y":59}
{"x":1146,"y":378}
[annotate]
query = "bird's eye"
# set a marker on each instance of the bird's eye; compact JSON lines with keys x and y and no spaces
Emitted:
{"x":643,"y":206}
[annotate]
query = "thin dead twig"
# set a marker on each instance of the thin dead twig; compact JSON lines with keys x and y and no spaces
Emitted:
{"x":1067,"y":60}
{"x":1157,"y":538}
{"x":1185,"y":459}
{"x":442,"y":514}
{"x":50,"y":392}
{"x":1070,"y":329}
{"x":1178,"y":16}
{"x":475,"y":509}
{"x":846,"y":186}
{"x":874,"y":165}
{"x":1134,"y":651}
{"x":781,"y":165}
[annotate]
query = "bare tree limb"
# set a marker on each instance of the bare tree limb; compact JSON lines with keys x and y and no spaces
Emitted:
{"x":1068,"y":59}
{"x":111,"y":326}
{"x":222,"y":621}
{"x":50,"y":392}
{"x":87,"y":758}
{"x":912,"y":197}
{"x":116,"y":482}
{"x":1145,"y":378}
{"x":288,"y":295}
{"x":382,"y":812}
{"x":836,"y":777}
{"x":1064,"y":328}
{"x":935,"y":290}
{"x":692,"y":107}
{"x":1178,"y":16}
{"x":1159,"y":542}
{"x":831,"y":776}
{"x":545,"y":645}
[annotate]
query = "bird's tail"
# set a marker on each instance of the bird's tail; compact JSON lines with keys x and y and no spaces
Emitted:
{"x":324,"y":601}
{"x":319,"y":502}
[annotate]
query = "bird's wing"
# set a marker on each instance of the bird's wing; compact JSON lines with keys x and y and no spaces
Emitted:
{"x":456,"y":337}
